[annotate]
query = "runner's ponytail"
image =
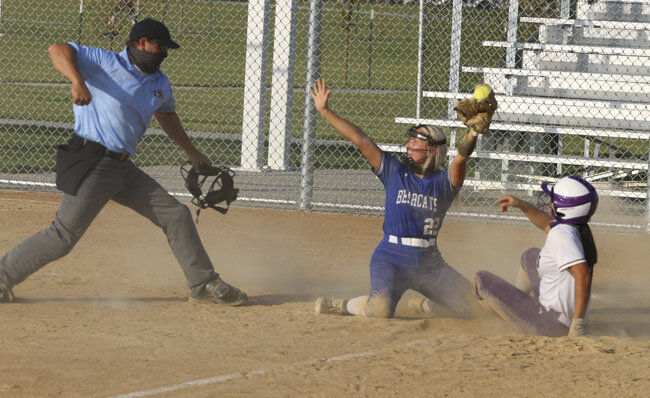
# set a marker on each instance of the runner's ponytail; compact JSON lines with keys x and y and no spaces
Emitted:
{"x":588,"y":245}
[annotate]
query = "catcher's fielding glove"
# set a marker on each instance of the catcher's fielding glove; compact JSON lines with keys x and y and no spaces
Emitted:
{"x":221,"y":189}
{"x":476,"y":112}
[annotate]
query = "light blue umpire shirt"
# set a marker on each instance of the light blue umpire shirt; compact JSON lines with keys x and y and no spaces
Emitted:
{"x":123,"y":99}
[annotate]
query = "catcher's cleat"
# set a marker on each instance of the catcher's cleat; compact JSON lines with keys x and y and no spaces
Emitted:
{"x":7,"y":294}
{"x":220,"y":292}
{"x":331,"y":305}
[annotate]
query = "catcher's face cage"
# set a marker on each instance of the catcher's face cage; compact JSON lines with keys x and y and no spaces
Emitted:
{"x":414,"y":132}
{"x":221,"y":189}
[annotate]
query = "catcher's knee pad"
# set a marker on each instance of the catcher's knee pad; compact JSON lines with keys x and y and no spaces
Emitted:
{"x":379,"y":306}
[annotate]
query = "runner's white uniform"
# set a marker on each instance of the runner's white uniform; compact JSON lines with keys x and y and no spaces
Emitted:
{"x":561,"y":251}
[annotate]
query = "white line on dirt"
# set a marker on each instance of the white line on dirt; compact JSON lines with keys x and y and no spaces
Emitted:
{"x":231,"y":376}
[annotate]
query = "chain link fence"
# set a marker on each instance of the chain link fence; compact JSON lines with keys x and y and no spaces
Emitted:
{"x":571,"y":78}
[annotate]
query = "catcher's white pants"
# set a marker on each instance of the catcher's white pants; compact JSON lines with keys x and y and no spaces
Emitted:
{"x":126,"y":184}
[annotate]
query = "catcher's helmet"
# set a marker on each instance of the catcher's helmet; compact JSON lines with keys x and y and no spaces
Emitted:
{"x":573,"y":200}
{"x":221,"y":189}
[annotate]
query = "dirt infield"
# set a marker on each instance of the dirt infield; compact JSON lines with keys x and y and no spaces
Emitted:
{"x":112,"y":318}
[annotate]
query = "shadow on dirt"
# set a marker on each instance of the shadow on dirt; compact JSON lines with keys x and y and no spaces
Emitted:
{"x":41,"y":300}
{"x":278,"y":299}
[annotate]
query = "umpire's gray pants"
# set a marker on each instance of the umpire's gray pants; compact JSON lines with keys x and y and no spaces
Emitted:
{"x":126,"y":184}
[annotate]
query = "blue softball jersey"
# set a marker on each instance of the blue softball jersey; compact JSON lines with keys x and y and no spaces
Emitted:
{"x":123,"y":99}
{"x":415,"y":207}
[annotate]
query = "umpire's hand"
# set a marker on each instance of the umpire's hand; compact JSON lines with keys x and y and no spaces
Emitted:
{"x":64,"y":59}
{"x":197,"y":157}
{"x":80,"y":93}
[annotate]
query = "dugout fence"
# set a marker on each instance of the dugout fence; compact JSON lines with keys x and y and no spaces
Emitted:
{"x":571,"y":78}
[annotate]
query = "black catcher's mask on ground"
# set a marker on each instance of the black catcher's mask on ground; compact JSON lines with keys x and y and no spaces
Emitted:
{"x":221,"y":186}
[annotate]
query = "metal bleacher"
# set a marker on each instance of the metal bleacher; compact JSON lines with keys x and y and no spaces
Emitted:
{"x":586,"y":74}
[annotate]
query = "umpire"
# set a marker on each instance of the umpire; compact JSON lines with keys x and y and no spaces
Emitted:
{"x":115,"y":96}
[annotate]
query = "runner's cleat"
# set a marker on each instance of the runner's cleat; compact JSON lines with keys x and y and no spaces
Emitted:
{"x":331,"y":305}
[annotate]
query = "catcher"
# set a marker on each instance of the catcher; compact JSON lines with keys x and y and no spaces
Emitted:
{"x":419,"y":191}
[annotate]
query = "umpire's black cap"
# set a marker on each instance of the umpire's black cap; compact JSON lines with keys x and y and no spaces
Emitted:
{"x":153,"y":30}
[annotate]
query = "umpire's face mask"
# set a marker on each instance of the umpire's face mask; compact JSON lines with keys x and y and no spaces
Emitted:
{"x":146,"y":61}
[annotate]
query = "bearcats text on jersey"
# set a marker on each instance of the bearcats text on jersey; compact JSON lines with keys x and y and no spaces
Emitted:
{"x":415,"y":199}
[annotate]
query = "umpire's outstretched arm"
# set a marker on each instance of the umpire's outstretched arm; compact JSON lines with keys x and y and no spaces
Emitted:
{"x":64,"y":59}
{"x":172,"y":126}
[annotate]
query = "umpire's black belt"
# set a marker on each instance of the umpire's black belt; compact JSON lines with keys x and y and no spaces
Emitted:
{"x":113,"y":155}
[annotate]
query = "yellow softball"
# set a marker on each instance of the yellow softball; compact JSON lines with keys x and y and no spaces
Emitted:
{"x":482,"y":91}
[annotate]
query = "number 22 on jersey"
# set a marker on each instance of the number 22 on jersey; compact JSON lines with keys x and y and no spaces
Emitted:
{"x":430,"y":225}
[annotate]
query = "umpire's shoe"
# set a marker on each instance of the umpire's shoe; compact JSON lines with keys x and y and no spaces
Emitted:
{"x":220,"y":292}
{"x":7,"y":294}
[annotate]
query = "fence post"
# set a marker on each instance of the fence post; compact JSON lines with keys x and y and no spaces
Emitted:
{"x":511,"y":62}
{"x":511,"y":37}
{"x":284,"y":50}
{"x":255,"y":77}
{"x":647,"y":195}
{"x":309,"y":119}
{"x":80,"y":26}
{"x":454,"y":53}
{"x":418,"y":101}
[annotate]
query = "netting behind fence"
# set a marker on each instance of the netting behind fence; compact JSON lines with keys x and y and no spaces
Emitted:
{"x":571,"y":78}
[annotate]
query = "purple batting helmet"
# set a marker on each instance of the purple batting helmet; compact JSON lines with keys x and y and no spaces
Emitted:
{"x":573,"y":199}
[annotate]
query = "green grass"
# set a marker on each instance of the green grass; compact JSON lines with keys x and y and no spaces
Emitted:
{"x":207,"y":72}
{"x":212,"y":56}
{"x":34,"y":149}
{"x":29,"y":150}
